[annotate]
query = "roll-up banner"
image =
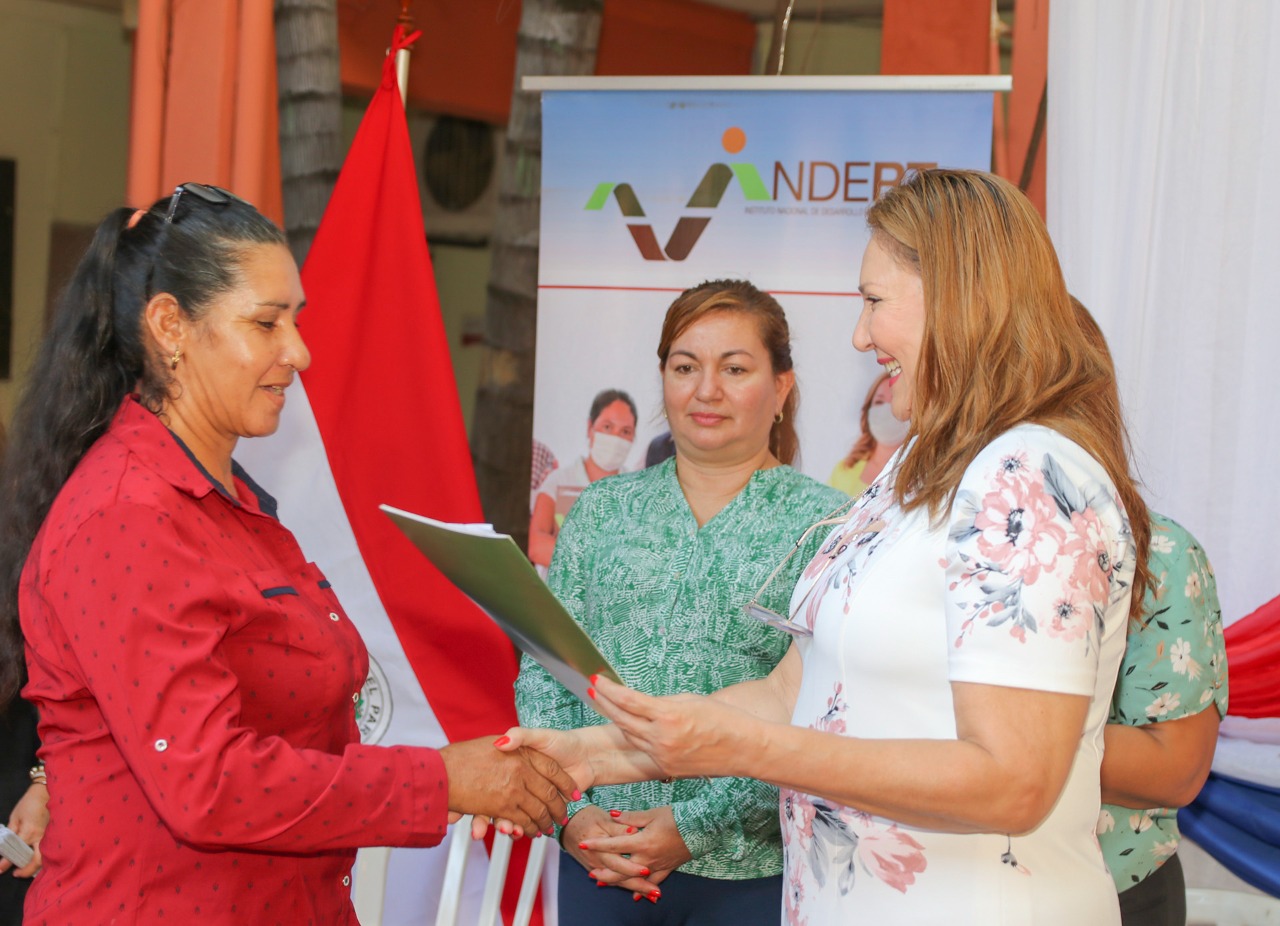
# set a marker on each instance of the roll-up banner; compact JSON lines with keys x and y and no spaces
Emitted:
{"x":652,"y":185}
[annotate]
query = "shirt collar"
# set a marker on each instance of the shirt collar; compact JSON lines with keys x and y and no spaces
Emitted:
{"x":164,"y":452}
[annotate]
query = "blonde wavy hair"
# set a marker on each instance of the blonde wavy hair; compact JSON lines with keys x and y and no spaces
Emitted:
{"x":1002,"y":345}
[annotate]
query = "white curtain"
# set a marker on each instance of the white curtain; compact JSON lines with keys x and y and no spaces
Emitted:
{"x":1164,"y":203}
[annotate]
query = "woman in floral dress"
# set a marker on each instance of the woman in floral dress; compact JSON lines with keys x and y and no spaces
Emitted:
{"x":936,"y":730}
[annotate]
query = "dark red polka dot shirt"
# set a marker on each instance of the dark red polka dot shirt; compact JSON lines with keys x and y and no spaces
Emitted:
{"x":196,"y":680}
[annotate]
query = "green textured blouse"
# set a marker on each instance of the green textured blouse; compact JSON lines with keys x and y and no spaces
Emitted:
{"x":663,"y":600}
{"x":1175,"y":665}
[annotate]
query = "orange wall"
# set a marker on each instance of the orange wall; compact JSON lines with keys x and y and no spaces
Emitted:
{"x":1030,"y":68}
{"x":673,"y":37}
{"x":464,"y":64}
{"x":936,"y":37}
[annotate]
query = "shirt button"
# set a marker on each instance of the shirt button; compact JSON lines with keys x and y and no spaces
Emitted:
{"x":355,"y":698}
{"x":346,"y":880}
{"x":161,"y":745}
{"x":333,"y":616}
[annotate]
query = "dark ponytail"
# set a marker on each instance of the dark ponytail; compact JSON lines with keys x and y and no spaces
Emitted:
{"x":96,"y":352}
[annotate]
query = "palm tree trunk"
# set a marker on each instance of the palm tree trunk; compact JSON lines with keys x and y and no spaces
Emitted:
{"x":556,"y":37}
{"x":310,"y":95}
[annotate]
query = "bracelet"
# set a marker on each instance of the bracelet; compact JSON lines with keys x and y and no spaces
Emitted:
{"x":38,"y":776}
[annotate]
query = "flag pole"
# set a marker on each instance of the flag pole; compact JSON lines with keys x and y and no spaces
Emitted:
{"x":402,"y":56}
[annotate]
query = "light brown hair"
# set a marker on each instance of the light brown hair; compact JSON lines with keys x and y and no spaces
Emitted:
{"x":1001,"y":346}
{"x":739,"y":296}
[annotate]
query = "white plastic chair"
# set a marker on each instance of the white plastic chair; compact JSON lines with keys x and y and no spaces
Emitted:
{"x":1206,"y":907}
{"x":371,"y":880}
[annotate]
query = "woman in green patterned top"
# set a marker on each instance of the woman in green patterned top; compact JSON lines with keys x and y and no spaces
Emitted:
{"x":657,"y":566}
{"x":1170,"y":696}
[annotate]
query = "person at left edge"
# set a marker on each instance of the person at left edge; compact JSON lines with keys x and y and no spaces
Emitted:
{"x":195,"y":677}
{"x":23,"y":795}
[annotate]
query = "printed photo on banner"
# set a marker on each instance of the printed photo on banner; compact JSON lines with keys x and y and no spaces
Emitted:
{"x":610,"y":435}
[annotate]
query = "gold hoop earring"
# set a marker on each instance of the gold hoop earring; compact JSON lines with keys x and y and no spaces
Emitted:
{"x":173,"y":361}
{"x":777,"y":419}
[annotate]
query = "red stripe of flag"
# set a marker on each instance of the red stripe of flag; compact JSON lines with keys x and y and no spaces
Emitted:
{"x":382,"y":389}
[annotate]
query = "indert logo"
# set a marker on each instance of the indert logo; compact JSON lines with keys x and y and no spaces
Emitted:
{"x":707,"y":195}
{"x":836,"y":189}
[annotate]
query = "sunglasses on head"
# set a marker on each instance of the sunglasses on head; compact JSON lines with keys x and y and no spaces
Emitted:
{"x":215,"y":196}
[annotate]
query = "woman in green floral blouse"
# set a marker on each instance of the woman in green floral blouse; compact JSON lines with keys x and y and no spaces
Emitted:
{"x":657,"y":566}
{"x":1170,"y":696}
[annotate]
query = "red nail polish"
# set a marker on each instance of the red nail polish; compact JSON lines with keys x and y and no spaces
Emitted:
{"x":601,"y":884}
{"x":635,"y":896}
{"x":591,"y":693}
{"x":615,"y":814}
{"x":644,"y":872}
{"x":653,"y":896}
{"x":583,"y":845}
{"x":630,"y":830}
{"x":564,"y":822}
{"x":577,"y":795}
{"x":502,"y":741}
{"x":595,"y":678}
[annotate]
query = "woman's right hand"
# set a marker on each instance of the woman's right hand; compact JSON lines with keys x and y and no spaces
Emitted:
{"x":527,"y":788}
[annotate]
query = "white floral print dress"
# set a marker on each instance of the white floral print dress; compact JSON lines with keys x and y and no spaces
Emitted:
{"x":1026,"y":584}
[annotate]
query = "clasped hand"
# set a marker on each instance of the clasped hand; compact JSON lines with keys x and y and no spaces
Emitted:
{"x":632,"y":850}
{"x":527,"y":790}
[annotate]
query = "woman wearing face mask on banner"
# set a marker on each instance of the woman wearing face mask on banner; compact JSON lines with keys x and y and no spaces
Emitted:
{"x":657,"y":565}
{"x":611,"y":430}
{"x":882,"y":434}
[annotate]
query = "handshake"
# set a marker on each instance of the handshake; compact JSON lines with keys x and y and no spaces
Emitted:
{"x":523,"y":791}
{"x":522,"y":781}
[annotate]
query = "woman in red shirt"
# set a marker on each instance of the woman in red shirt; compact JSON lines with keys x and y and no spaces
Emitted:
{"x":195,"y":675}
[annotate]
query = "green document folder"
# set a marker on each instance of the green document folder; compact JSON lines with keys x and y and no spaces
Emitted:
{"x":492,"y":571}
